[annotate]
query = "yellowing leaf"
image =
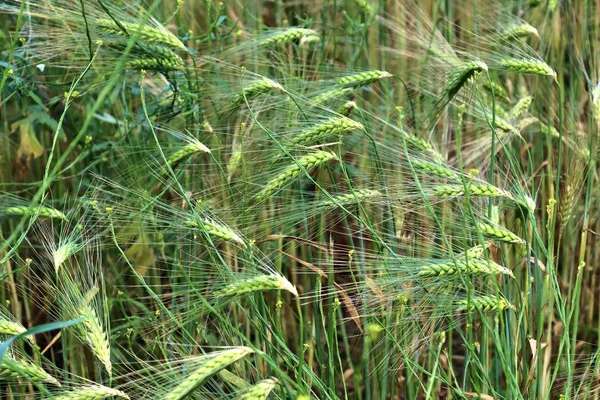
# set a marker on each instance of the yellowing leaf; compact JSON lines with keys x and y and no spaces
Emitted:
{"x":141,"y":254}
{"x":28,"y":144}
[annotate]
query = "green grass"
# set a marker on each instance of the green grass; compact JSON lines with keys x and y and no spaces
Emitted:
{"x":291,"y":200}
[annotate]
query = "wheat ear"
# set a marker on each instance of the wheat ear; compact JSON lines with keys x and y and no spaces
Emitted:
{"x":498,"y":233}
{"x":334,"y":126}
{"x":259,"y":391}
{"x":145,"y":33}
{"x":475,"y":251}
{"x":347,"y":108}
{"x":90,"y":392}
{"x":46,"y":212}
{"x":305,"y":36}
{"x":215,"y":229}
{"x":482,"y":190}
{"x":156,"y":64}
{"x":518,"y":31}
{"x":471,"y":266}
{"x":435,"y":169}
{"x":253,"y":90}
{"x":421,"y":145}
{"x":501,"y":123}
{"x":334,"y":94}
{"x":527,"y":66}
{"x":25,"y":370}
{"x":362,"y":78}
{"x":92,"y":332}
{"x":519,"y":108}
{"x":151,"y":57}
{"x":62,"y":253}
{"x":484,"y":304}
{"x":461,"y":74}
{"x":304,"y":163}
{"x":499,"y":91}
{"x":8,"y":327}
{"x":176,"y":158}
{"x":596,"y":105}
{"x":350,"y":198}
{"x":257,"y":284}
{"x":213,"y":364}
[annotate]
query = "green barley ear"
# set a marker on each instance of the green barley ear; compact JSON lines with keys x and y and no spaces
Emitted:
{"x":233,"y":379}
{"x":211,"y":365}
{"x":9,"y":326}
{"x":333,"y":94}
{"x":215,"y":229}
{"x":482,"y":190}
{"x":460,"y":75}
{"x":527,"y":66}
{"x":78,"y":286}
{"x":418,"y":144}
{"x":475,"y":251}
{"x":90,"y":392}
{"x":499,"y":233}
{"x":464,"y":266}
{"x":63,"y":252}
{"x":156,"y":64}
{"x":257,"y":284}
{"x":568,"y":200}
{"x":25,"y":370}
{"x":479,"y":190}
{"x":151,"y":57}
{"x":46,"y":212}
{"x":525,"y":122}
{"x":548,"y":130}
{"x":499,"y":91}
{"x":186,"y":151}
{"x":596,"y":105}
{"x":259,"y":391}
{"x":324,"y":130}
{"x":305,"y":36}
{"x":484,"y":304}
{"x":518,"y":31}
{"x":439,"y":170}
{"x":350,"y":198}
{"x":347,"y":108}
{"x":144,"y":33}
{"x":501,"y":123}
{"x":519,"y":108}
{"x":362,"y":78}
{"x":253,"y":90}
{"x":305,"y":163}
{"x":92,"y":332}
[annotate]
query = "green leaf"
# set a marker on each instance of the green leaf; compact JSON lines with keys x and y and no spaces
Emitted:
{"x":36,"y":330}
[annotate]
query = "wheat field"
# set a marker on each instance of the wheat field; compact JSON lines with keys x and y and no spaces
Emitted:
{"x":273,"y":199}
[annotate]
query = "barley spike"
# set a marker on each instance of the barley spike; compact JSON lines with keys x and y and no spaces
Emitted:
{"x":257,"y":284}
{"x":45,"y":212}
{"x":484,"y":304}
{"x":90,"y":392}
{"x":499,"y":233}
{"x":304,"y":163}
{"x":259,"y":391}
{"x":471,"y":266}
{"x":145,"y":33}
{"x":362,"y":78}
{"x":527,"y":66}
{"x":212,"y":365}
{"x":291,"y":34}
